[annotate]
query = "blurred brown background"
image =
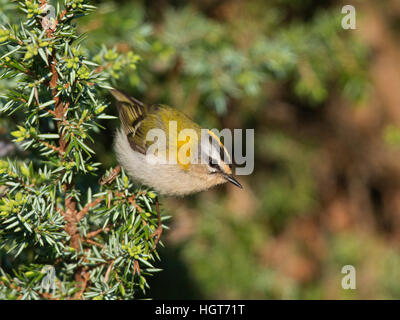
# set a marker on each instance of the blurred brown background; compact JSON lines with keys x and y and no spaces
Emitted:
{"x":325,"y":106}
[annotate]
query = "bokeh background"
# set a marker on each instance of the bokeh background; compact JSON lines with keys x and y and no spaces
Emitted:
{"x":325,"y":106}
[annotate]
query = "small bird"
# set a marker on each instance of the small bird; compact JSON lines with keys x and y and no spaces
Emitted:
{"x":207,"y":167}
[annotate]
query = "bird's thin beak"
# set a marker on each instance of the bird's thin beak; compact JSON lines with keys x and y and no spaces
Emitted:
{"x":233,"y":180}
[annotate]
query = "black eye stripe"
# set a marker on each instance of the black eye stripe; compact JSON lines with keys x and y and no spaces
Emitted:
{"x":213,"y":165}
{"x":222,"y":152}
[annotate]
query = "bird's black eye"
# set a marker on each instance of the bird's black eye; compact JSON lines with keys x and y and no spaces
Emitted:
{"x":213,"y":165}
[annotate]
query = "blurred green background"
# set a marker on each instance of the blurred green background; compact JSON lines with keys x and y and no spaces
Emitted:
{"x":325,"y":106}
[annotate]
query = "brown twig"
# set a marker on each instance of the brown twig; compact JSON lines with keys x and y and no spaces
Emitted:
{"x":111,"y":177}
{"x":50,"y":146}
{"x":95,"y":233}
{"x":89,"y":206}
{"x":84,"y":277}
{"x":60,"y":109}
{"x":94,"y":243}
{"x":48,"y":296}
{"x":36,"y":96}
{"x":108,"y":271}
{"x":158,"y":232}
{"x":102,"y":68}
{"x":71,"y":226}
{"x":136,"y":267}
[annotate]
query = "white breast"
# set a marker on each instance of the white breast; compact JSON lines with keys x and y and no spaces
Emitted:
{"x":167,"y":179}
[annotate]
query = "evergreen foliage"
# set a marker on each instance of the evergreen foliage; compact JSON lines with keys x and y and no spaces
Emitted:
{"x":97,"y":239}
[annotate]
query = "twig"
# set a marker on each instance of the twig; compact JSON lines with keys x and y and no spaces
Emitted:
{"x":50,"y":146}
{"x":158,"y":232}
{"x":80,"y":279}
{"x":108,"y":271}
{"x":59,"y":111}
{"x":136,"y":267}
{"x":89,"y":206}
{"x":36,"y":96}
{"x":102,"y":68}
{"x":94,"y":243}
{"x":95,"y":233}
{"x":111,"y":177}
{"x":48,"y":296}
